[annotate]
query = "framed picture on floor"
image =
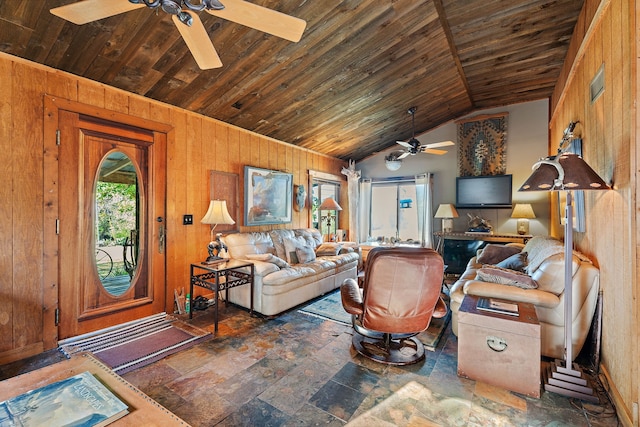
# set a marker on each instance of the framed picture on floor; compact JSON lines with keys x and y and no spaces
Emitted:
{"x":267,"y":196}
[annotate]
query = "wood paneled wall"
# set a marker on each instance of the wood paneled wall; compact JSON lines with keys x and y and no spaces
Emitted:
{"x":196,"y":145}
{"x":606,"y":34}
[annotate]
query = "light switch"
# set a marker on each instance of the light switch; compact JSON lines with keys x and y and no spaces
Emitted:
{"x":187,"y":219}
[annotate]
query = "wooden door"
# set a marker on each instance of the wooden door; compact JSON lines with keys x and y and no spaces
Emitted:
{"x":87,"y":145}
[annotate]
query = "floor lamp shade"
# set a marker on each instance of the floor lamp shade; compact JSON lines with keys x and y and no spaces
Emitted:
{"x":566,"y":172}
{"x":329,"y":204}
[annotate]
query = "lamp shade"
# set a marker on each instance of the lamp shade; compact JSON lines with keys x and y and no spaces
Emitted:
{"x":217,"y":213}
{"x":329,"y":204}
{"x":446,"y":211}
{"x":566,"y":171}
{"x":523,"y":210}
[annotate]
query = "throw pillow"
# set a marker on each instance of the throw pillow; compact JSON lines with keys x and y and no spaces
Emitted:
{"x":305,"y":254}
{"x":290,"y":245}
{"x":328,"y":249}
{"x":504,"y":276}
{"x":493,"y":254}
{"x":517,"y":262}
{"x":279,"y":262}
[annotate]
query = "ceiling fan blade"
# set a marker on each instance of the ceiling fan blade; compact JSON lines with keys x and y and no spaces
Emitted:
{"x":198,"y":42}
{"x":86,"y":11}
{"x":404,"y":144}
{"x":439,"y":144}
{"x":403,"y":155}
{"x":261,"y":18}
{"x":433,"y":151}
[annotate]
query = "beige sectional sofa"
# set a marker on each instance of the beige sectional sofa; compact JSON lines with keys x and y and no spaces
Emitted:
{"x":291,"y":267}
{"x":542,"y":285}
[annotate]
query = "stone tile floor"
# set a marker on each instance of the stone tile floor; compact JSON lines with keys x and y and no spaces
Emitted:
{"x":299,"y":370}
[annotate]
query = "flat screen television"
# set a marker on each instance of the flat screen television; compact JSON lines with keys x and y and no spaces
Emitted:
{"x":474,"y":192}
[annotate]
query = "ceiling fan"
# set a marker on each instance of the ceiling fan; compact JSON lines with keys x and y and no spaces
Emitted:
{"x":413,"y":146}
{"x":188,"y":22}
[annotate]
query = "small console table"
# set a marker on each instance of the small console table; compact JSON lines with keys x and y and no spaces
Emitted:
{"x":221,"y":277}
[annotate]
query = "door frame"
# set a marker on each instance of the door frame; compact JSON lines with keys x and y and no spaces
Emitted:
{"x":52,"y":107}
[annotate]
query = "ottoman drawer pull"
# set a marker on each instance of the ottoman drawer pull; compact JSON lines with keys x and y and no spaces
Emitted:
{"x":496,"y":344}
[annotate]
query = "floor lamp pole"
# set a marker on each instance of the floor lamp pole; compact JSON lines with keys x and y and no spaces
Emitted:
{"x":563,"y":377}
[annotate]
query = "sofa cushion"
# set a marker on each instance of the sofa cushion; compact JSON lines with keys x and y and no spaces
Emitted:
{"x":504,"y":276}
{"x":311,"y":235}
{"x":290,"y":245}
{"x":305,"y":254}
{"x":493,"y":254}
{"x":241,"y":244}
{"x":517,"y":262}
{"x":268,"y":258}
{"x":329,"y":249}
{"x":277,"y":237}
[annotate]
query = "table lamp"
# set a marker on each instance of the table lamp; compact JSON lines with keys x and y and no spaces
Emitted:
{"x":447,"y":212}
{"x":329,"y":204}
{"x":566,"y":172}
{"x":524,"y":212}
{"x":216,"y":214}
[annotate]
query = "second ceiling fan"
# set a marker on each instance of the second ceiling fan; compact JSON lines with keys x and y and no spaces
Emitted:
{"x":183,"y":13}
{"x":413,"y":146}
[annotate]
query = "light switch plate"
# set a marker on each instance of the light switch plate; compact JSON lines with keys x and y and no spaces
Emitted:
{"x":187,"y":219}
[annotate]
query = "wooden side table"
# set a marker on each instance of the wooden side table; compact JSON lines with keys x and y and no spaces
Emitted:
{"x":221,"y":277}
{"x":500,"y":349}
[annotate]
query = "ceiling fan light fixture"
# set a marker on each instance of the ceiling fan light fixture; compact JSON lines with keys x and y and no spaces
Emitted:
{"x":392,"y":162}
{"x":170,"y":6}
{"x":195,"y":7}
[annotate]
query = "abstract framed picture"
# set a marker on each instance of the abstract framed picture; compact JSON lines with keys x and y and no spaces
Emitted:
{"x":267,"y":196}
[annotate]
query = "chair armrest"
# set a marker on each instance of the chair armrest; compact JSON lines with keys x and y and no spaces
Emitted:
{"x":440,"y":310}
{"x":511,"y":293}
{"x":351,"y":297}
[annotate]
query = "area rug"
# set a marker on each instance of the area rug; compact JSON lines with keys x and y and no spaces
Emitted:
{"x":135,"y":344}
{"x":330,"y":307}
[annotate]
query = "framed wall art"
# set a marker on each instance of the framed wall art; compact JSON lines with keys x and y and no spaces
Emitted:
{"x":267,"y":196}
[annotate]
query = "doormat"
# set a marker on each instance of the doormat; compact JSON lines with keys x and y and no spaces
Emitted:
{"x":330,"y":307}
{"x":133,"y":345}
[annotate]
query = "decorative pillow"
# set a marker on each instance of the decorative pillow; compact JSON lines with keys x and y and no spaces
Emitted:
{"x":328,"y":249}
{"x":517,"y":262}
{"x":269,"y":258}
{"x":504,"y":276}
{"x":290,"y":245}
{"x":493,"y":254}
{"x":305,"y":254}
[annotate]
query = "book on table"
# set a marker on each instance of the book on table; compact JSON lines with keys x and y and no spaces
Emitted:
{"x":80,"y":400}
{"x":498,"y":306}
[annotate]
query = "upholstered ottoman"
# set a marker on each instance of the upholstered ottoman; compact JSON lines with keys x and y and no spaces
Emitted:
{"x":500,"y":349}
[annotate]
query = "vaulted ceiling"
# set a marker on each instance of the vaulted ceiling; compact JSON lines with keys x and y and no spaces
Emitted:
{"x":344,"y":89}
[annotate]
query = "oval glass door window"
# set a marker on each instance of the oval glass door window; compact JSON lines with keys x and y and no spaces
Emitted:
{"x":117,"y":204}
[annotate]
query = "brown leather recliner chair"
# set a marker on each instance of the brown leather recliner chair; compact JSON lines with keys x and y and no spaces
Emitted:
{"x":400,"y":295}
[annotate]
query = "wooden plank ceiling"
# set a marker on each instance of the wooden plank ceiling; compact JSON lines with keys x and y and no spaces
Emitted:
{"x":344,"y":89}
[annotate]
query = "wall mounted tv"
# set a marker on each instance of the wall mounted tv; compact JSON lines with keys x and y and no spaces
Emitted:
{"x":473,"y":192}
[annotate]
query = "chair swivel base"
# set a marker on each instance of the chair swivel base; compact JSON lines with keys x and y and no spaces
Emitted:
{"x":401,"y":351}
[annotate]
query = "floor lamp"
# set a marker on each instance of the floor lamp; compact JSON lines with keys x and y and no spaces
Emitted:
{"x":566,"y":172}
{"x":329,"y":204}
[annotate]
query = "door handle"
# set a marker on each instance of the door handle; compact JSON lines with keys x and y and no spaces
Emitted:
{"x":161,"y":235}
